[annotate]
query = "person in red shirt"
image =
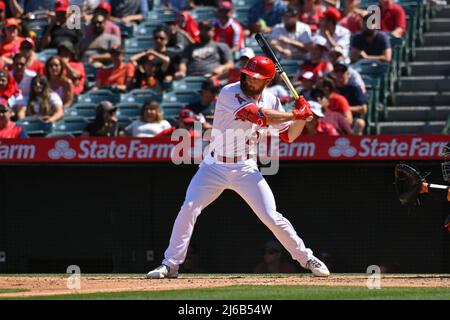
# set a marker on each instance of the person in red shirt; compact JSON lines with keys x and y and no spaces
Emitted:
{"x":27,"y":47}
{"x":188,"y":26}
{"x":227,"y":29}
{"x":311,"y":12}
{"x":74,"y":70}
{"x":10,"y":45}
{"x":186,"y":120}
{"x":393,"y":18}
{"x":317,"y":125}
{"x":8,"y":128}
{"x":352,"y":16}
{"x":119,"y":76}
{"x":336,"y":101}
{"x":316,"y":64}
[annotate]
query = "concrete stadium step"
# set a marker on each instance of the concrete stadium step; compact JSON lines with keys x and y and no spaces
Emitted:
{"x":433,"y":53}
{"x":430,"y":68}
{"x":433,"y":39}
{"x":425,"y":83}
{"x":416,"y":127}
{"x":443,"y":12}
{"x":418,"y":113}
{"x":440,"y":25}
{"x":422,"y":98}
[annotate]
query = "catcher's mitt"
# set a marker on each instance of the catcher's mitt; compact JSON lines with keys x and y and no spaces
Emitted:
{"x":408,"y":183}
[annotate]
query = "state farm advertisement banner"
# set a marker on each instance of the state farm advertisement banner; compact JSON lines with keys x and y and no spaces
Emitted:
{"x":387,"y":147}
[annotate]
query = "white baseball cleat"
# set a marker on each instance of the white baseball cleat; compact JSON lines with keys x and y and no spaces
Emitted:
{"x":161,"y":272}
{"x":317,"y":267}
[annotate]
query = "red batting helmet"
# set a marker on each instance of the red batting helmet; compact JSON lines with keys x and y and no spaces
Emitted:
{"x":259,"y":67}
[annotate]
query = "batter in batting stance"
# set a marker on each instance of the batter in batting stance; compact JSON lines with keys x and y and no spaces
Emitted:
{"x":243,"y":106}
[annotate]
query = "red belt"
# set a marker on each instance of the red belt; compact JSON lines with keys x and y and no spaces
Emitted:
{"x":235,"y":159}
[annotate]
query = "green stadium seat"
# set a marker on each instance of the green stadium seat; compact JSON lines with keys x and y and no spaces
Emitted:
{"x":204,"y":13}
{"x":185,"y":97}
{"x":80,"y":109}
{"x":290,"y":67}
{"x":35,"y":127}
{"x":131,"y":110}
{"x":140,"y":96}
{"x":60,"y":135}
{"x":139,"y":43}
{"x":126,"y":30}
{"x":45,"y":54}
{"x":188,"y":83}
{"x":97,"y":96}
{"x":73,"y":125}
{"x":171,"y":109}
{"x":241,"y":15}
{"x":162,"y":15}
{"x":124,"y":121}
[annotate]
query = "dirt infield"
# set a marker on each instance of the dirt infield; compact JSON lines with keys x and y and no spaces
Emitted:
{"x":57,"y":285}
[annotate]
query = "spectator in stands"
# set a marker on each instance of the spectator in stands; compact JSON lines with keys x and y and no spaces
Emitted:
{"x":205,"y":107}
{"x":27,"y":47}
{"x":98,"y":40}
{"x":148,"y":73}
{"x":8,"y":128}
{"x":208,"y":58}
{"x":279,"y":90}
{"x":227,"y":29}
{"x":2,"y":12}
{"x":306,"y":84}
{"x":186,"y":120}
{"x":311,"y":12}
{"x":21,"y":74}
{"x":273,"y":260}
{"x":112,"y":28}
{"x":370,"y":44}
{"x":317,"y":125}
{"x":336,"y":119}
{"x":352,"y":16}
{"x":355,"y":78}
{"x":9,"y":89}
{"x":292,"y":37}
{"x":170,"y":59}
{"x":43,"y":102}
{"x":74,"y":70}
{"x":355,"y":97}
{"x":119,"y":76}
{"x":10,"y":42}
{"x":25,"y":9}
{"x":187,"y":25}
{"x":316,"y":63}
{"x":263,"y":15}
{"x":335,"y":34}
{"x":234,"y":74}
{"x":129,"y":11}
{"x":178,"y":37}
{"x":336,"y":101}
{"x":150,"y":123}
{"x":58,"y":29}
{"x":105,"y":123}
{"x":393,"y":18}
{"x":59,"y":83}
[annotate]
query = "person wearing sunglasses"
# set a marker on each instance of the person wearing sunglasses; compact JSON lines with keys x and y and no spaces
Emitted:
{"x":43,"y":102}
{"x":8,"y":128}
{"x":105,"y":123}
{"x":27,"y":48}
{"x":11,"y":40}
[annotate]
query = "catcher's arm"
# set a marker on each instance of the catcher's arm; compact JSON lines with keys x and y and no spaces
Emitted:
{"x":436,"y":189}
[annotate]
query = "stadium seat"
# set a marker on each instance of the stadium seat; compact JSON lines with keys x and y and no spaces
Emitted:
{"x":60,"y":135}
{"x":290,"y":67}
{"x":131,"y":110}
{"x":45,"y":54}
{"x":241,"y":15}
{"x":91,"y":75}
{"x":188,"y":83}
{"x":243,"y":3}
{"x":446,"y":129}
{"x":377,"y":70}
{"x":126,"y":30}
{"x":140,"y":96}
{"x":82,"y":109}
{"x":162,"y":14}
{"x":139,"y":43}
{"x":146,"y":28}
{"x":124,"y":121}
{"x":185,"y":97}
{"x":171,"y":110}
{"x":73,"y":125}
{"x":98,"y":96}
{"x":203,"y":13}
{"x":35,"y":127}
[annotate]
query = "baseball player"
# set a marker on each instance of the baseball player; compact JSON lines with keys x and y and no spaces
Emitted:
{"x":246,"y":107}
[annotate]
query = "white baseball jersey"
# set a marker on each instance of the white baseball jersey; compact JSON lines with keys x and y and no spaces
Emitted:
{"x":233,"y":137}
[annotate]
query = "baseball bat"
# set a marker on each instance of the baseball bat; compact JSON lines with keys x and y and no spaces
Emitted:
{"x":268,"y":51}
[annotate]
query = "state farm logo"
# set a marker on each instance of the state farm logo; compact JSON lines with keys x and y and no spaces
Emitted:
{"x":342,"y":147}
{"x":62,"y":150}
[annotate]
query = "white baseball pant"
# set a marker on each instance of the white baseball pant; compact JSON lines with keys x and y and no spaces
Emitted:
{"x":207,"y":184}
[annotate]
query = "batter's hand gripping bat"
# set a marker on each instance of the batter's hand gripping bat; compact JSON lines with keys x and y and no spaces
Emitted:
{"x":268,"y":51}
